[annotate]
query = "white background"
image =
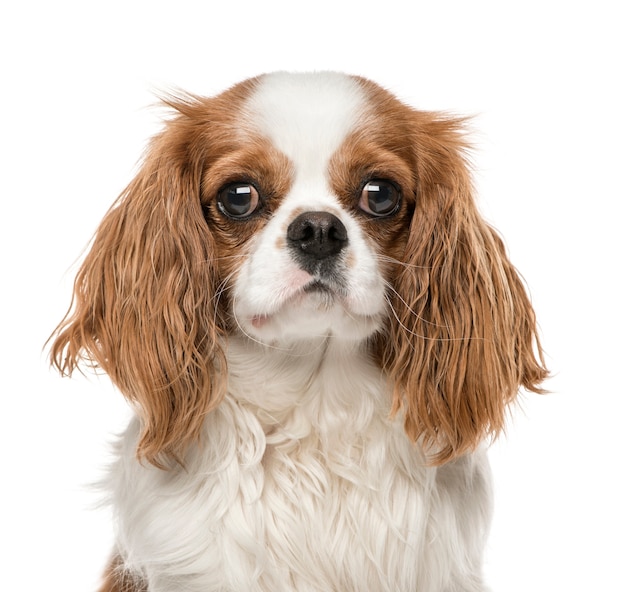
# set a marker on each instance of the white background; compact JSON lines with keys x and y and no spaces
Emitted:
{"x":545,"y":80}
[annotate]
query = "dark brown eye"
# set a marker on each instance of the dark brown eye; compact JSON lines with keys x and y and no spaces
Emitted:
{"x":379,"y":198}
{"x":238,"y":200}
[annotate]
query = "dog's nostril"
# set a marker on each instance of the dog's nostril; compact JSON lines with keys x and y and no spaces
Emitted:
{"x":317,"y":234}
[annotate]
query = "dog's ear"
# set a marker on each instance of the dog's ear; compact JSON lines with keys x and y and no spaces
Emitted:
{"x":462,"y":339}
{"x":144,"y":304}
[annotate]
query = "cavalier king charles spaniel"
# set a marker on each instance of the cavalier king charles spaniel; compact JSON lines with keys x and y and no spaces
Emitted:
{"x":318,"y":334}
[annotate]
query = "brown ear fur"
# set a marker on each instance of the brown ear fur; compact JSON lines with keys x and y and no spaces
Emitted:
{"x":464,"y":338}
{"x":145,"y":305}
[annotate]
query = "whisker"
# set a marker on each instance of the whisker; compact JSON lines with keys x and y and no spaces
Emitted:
{"x":387,"y":259}
{"x":239,"y":256}
{"x":221,"y":288}
{"x":408,"y":307}
{"x":420,"y":336}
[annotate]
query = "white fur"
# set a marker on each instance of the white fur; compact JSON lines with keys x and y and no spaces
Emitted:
{"x":306,"y":116}
{"x":304,"y":484}
{"x":303,"y":489}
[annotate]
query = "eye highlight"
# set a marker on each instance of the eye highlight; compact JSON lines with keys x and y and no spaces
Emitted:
{"x":238,"y":200}
{"x":379,"y":197}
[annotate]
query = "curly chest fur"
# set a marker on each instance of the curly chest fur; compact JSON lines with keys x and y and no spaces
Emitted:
{"x":328,"y":494}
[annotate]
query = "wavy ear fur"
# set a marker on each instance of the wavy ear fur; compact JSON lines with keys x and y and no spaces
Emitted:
{"x":465,"y":336}
{"x":144,"y":307}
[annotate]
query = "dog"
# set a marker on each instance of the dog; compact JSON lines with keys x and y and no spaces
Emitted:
{"x":319,"y":335}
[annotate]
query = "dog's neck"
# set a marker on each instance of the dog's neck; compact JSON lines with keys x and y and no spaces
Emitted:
{"x":320,"y":378}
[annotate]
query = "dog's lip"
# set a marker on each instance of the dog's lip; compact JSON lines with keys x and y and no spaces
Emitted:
{"x":319,"y":286}
{"x":257,"y":321}
{"x":312,"y":287}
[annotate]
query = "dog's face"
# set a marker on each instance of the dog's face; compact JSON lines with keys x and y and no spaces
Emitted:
{"x":294,"y":207}
{"x":320,"y":209}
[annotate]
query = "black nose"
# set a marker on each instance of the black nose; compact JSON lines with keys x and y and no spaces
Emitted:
{"x":317,"y":235}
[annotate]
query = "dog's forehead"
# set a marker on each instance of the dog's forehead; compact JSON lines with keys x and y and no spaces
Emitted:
{"x":307,"y":116}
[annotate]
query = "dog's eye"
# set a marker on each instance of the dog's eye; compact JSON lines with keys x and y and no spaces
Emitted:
{"x":380,"y":198}
{"x":238,"y":200}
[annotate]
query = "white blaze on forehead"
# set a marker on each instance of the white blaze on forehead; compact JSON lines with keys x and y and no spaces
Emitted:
{"x":306,"y":115}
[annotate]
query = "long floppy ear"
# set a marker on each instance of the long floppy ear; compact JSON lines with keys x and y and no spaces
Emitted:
{"x":144,"y":306}
{"x":464,"y":339}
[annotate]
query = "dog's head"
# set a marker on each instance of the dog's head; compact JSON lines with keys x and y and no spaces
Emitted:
{"x":295,"y":206}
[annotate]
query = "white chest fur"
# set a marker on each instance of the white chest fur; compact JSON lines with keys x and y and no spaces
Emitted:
{"x":302,"y":489}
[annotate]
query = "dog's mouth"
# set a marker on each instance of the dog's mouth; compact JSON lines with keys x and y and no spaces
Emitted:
{"x":318,"y":293}
{"x":319,"y":287}
{"x":321,"y":295}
